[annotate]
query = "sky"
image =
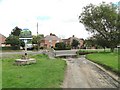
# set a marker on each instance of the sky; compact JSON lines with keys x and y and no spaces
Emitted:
{"x":59,"y":17}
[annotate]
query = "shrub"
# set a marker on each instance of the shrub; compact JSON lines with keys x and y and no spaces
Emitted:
{"x":62,"y":46}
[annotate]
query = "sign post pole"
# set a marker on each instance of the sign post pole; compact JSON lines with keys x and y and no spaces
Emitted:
{"x":25,"y":35}
{"x":25,"y":47}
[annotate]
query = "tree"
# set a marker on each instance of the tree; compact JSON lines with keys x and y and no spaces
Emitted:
{"x":75,"y":43}
{"x":100,"y":41}
{"x":16,"y":31}
{"x":60,"y":46}
{"x":37,"y":40}
{"x":13,"y":41}
{"x":90,"y":42}
{"x":102,"y":20}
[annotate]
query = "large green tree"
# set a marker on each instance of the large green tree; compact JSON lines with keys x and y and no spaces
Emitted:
{"x":16,"y":31}
{"x":103,"y":20}
{"x":13,"y":38}
{"x":13,"y":41}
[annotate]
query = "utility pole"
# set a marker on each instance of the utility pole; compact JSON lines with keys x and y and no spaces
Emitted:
{"x":37,"y":28}
{"x":37,"y":38}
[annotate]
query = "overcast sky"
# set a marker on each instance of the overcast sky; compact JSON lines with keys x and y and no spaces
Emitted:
{"x":54,"y":16}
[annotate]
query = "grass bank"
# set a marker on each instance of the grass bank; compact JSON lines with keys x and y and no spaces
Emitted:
{"x":46,"y":73}
{"x":106,"y":59}
{"x":88,"y":51}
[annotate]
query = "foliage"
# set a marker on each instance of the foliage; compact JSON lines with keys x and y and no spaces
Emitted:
{"x":16,"y":31}
{"x":96,"y":41}
{"x":90,"y":42}
{"x":100,"y":41}
{"x":6,"y":48}
{"x":75,"y":43}
{"x":46,"y":73}
{"x":60,"y":46}
{"x":13,"y":41}
{"x":22,"y":44}
{"x":37,"y":39}
{"x":68,"y":47}
{"x":102,"y":20}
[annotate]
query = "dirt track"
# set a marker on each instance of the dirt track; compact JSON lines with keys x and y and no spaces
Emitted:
{"x":81,"y":73}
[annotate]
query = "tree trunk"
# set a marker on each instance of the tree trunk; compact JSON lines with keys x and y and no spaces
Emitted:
{"x":112,"y":49}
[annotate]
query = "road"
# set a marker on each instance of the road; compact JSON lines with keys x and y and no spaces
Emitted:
{"x":4,"y":54}
{"x":81,"y":73}
{"x":59,"y":53}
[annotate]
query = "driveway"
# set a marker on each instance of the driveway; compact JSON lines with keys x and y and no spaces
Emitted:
{"x":81,"y":73}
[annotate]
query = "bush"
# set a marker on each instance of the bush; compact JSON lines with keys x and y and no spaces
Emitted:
{"x":15,"y":47}
{"x":6,"y":48}
{"x":41,"y":47}
{"x":11,"y":48}
{"x":68,"y":47}
{"x":62,"y":46}
{"x":35,"y":47}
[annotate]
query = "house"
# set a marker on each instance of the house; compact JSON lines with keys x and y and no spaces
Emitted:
{"x":50,"y":41}
{"x":2,"y":40}
{"x":69,"y":41}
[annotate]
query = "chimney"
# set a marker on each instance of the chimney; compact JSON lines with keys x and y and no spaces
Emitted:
{"x":73,"y":36}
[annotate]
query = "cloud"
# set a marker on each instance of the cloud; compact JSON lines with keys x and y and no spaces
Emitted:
{"x":56,"y":16}
{"x":43,"y":18}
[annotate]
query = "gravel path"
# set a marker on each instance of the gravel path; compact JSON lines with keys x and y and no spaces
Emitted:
{"x":81,"y":73}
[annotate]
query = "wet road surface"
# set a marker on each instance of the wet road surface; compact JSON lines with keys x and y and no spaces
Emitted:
{"x":81,"y":73}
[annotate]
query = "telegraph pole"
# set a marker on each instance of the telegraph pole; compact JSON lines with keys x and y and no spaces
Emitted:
{"x":37,"y":37}
{"x":37,"y":28}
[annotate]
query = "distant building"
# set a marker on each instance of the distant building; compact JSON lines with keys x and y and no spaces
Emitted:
{"x":50,"y":41}
{"x":2,"y":40}
{"x":69,"y":41}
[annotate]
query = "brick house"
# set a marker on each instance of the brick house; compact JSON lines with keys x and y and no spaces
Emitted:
{"x":2,"y":40}
{"x":69,"y":41}
{"x":50,"y":41}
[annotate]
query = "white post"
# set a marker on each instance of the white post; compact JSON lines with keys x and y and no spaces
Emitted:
{"x":25,"y":46}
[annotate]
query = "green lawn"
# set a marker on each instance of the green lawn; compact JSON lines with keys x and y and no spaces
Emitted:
{"x":94,"y":50}
{"x":46,"y":73}
{"x":0,"y":74}
{"x":108,"y":60}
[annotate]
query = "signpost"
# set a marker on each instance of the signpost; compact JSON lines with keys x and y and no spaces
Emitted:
{"x":118,"y":58}
{"x":25,"y":35}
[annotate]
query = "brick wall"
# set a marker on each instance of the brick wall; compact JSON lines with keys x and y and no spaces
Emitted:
{"x":2,"y":39}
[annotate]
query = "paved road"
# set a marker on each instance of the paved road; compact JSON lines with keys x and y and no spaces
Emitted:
{"x":21,"y":52}
{"x":4,"y":54}
{"x":83,"y":74}
{"x":65,"y":52}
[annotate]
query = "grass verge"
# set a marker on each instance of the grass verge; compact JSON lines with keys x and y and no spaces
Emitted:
{"x":107,"y":60}
{"x":46,"y":73}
